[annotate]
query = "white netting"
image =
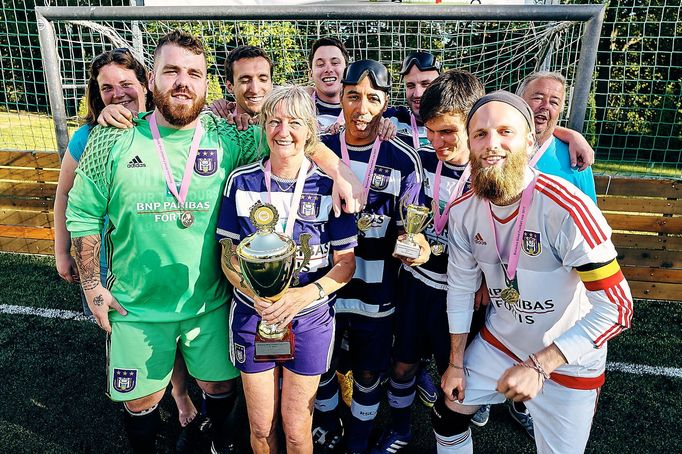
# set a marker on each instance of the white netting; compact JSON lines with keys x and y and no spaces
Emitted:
{"x":501,"y":53}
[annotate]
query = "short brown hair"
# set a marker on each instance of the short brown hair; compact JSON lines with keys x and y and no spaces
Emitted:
{"x":182,"y":39}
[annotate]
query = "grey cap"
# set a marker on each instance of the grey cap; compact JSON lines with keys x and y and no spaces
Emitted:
{"x":508,"y":98}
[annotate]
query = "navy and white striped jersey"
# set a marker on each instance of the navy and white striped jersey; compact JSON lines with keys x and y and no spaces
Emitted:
{"x":327,"y":113}
{"x":434,"y":272}
{"x":400,"y":116}
{"x":397,"y":173}
{"x":246,"y":186}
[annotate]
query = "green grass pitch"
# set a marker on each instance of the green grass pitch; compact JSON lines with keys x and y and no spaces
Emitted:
{"x":52,"y":382}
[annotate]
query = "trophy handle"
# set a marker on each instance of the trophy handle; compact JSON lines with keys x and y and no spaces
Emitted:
{"x":304,"y":238}
{"x":228,"y":253}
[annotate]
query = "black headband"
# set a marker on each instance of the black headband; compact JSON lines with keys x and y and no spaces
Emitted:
{"x":508,"y":98}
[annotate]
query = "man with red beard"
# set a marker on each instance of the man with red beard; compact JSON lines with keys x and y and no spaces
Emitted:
{"x":166,"y":290}
{"x":557,"y":292}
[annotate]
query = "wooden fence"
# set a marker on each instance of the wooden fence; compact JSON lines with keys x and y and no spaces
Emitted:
{"x":645,"y":214}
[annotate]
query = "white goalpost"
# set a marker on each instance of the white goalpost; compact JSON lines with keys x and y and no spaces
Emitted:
{"x":501,"y":44}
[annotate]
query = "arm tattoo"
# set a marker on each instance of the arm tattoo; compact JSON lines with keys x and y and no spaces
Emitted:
{"x":98,"y":301}
{"x":87,"y":260}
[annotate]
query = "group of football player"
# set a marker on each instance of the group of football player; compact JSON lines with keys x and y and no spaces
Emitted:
{"x":514,"y":292}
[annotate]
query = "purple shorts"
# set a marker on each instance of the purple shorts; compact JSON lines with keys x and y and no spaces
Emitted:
{"x":314,"y":334}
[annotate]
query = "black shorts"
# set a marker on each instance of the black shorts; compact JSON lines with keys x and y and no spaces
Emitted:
{"x":421,"y":322}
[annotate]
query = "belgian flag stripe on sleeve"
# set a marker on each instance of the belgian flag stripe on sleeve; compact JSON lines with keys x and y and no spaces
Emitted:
{"x":601,"y":278}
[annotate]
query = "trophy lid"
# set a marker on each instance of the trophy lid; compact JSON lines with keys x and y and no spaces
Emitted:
{"x":265,"y":246}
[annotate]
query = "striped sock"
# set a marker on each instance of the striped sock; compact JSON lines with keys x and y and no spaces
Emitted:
{"x":400,"y":399}
{"x":363,"y":410}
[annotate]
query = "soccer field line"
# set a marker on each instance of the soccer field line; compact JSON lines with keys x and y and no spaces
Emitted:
{"x":636,"y":369}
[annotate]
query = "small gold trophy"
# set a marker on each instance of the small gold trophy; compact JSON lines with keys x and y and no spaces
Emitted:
{"x":267,"y":262}
{"x":415,"y":219}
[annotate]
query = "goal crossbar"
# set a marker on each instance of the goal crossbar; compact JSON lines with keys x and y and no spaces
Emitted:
{"x":591,"y":15}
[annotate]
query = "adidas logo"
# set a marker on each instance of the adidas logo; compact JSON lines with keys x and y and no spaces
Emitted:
{"x":136,"y":162}
{"x":478,"y":239}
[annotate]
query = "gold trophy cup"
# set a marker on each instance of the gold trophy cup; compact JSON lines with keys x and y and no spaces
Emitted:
{"x":267,"y":266}
{"x":415,"y":219}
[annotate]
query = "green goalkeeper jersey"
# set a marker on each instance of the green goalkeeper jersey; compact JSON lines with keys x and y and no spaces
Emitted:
{"x":160,"y":271}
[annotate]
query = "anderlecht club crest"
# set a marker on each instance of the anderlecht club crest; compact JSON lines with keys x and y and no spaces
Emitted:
{"x":531,"y":243}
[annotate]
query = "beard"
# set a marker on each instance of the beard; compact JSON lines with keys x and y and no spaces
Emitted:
{"x":499,"y":184}
{"x":177,"y":115}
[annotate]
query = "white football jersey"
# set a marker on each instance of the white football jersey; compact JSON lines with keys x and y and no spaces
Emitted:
{"x":564,"y":230}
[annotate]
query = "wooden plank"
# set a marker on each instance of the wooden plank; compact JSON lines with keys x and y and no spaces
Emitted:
{"x":28,"y":218}
{"x":644,"y":223}
{"x":641,"y":273}
{"x":648,"y":187}
{"x":35,"y":159}
{"x":28,"y":175}
{"x":649,"y":258}
{"x":656,"y":291}
{"x":11,"y":203}
{"x":640,"y":205}
{"x":27,"y":246}
{"x":652,"y":242}
{"x":26,"y":190}
{"x":33,"y":233}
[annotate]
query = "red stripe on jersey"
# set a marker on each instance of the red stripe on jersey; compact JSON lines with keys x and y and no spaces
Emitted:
{"x":576,"y":208}
{"x":609,"y":334}
{"x":462,"y":198}
{"x":628,"y":304}
{"x":617,"y":296}
{"x":508,"y":218}
{"x":607,"y":282}
{"x":580,"y":204}
{"x":567,"y":381}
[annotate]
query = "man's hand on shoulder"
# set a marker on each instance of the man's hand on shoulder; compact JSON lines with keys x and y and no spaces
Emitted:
{"x":117,"y":116}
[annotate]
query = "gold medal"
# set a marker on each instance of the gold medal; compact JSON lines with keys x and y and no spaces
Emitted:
{"x":437,"y":248}
{"x":365,"y":222}
{"x":186,"y":219}
{"x":510,"y":295}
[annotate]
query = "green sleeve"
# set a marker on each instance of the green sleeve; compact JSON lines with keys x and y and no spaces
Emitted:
{"x":240,"y":147}
{"x":89,"y":197}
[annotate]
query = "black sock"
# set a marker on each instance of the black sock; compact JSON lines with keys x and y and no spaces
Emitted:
{"x":141,"y":428}
{"x":218,"y":408}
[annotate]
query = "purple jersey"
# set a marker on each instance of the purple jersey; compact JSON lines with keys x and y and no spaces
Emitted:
{"x":396,"y":174}
{"x":327,"y":113}
{"x":246,"y":186}
{"x":400,"y":117}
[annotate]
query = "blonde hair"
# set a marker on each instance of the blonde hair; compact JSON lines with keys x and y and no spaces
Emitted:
{"x":297,"y":103}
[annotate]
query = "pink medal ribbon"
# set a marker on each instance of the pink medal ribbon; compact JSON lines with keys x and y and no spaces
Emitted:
{"x":538,"y":154}
{"x":166,"y":168}
{"x":515,"y":252}
{"x":415,"y":131}
{"x":440,"y":219}
{"x":298,"y":191}
{"x":370,"y":164}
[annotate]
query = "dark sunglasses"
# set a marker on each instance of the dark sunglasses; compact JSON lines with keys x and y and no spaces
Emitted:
{"x":425,"y":61}
{"x":354,"y":73}
{"x":121,"y":50}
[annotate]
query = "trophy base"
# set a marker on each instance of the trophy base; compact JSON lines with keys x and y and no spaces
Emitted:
{"x":407,"y":250}
{"x":269,"y":348}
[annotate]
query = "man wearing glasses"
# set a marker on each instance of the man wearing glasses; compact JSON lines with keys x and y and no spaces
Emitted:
{"x":391,"y":172}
